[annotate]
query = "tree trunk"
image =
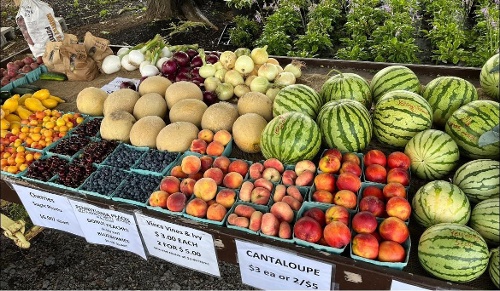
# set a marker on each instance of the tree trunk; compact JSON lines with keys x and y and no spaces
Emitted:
{"x":168,"y":9}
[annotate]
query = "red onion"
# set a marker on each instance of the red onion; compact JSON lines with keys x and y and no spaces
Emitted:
{"x":192,"y":53}
{"x":210,"y":98}
{"x":169,"y":67}
{"x":184,"y":70}
{"x":196,"y":61}
{"x":171,"y":77}
{"x":195,"y":72}
{"x":198,"y":81}
{"x":39,"y":60}
{"x":182,"y":77}
{"x":127,"y":84}
{"x":181,"y":58}
{"x":212,"y":59}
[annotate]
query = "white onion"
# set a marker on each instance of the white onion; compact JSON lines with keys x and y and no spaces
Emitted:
{"x":228,"y":59}
{"x":259,"y":84}
{"x":249,"y":80}
{"x":244,"y":65}
{"x":273,"y":61}
{"x":241,"y":90}
{"x":259,"y":55}
{"x":160,"y":62}
{"x":268,"y":70}
{"x":280,"y":69}
{"x":207,"y":70}
{"x":295,"y":67}
{"x":285,"y":78}
{"x":146,"y":62}
{"x":272,"y":92}
{"x":224,"y":91}
{"x":111,"y":64}
{"x":149,"y":70}
{"x":165,"y":52}
{"x":234,"y":78}
{"x":211,"y":83}
{"x":218,"y":65}
{"x":135,"y":57}
{"x":122,"y":51}
{"x":220,"y":74}
{"x":126,"y":65}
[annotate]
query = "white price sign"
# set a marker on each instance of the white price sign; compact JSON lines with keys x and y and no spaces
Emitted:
{"x":180,"y":245}
{"x":396,"y":285}
{"x":271,"y":269}
{"x":109,"y":227}
{"x":115,"y":84}
{"x":48,"y":210}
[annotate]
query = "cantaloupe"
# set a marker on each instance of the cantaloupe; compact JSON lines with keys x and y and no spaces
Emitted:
{"x":91,"y":101}
{"x":150,"y":104}
{"x":190,"y":110}
{"x":219,"y":116}
{"x":154,"y":84}
{"x":256,"y":102}
{"x":117,"y":126}
{"x":145,"y":131}
{"x":182,"y":90}
{"x":176,"y":136}
{"x":247,"y":130}
{"x":121,"y":99}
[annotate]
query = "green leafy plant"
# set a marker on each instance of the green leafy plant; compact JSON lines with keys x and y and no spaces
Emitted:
{"x":245,"y":31}
{"x":485,"y":33}
{"x":103,"y":13}
{"x":184,"y":26}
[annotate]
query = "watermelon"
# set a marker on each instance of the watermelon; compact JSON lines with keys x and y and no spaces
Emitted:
{"x":469,"y":122}
{"x":446,"y":94}
{"x":346,"y":125}
{"x":298,"y":98}
{"x":485,"y":219}
{"x":489,"y":78}
{"x":453,"y":252}
{"x":433,"y":154}
{"x":392,"y":78}
{"x":479,"y":179}
{"x":493,"y":267}
{"x":440,"y":201}
{"x":399,"y":115}
{"x":291,"y":137}
{"x":347,"y":86}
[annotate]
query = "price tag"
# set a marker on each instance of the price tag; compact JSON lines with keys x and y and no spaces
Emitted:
{"x":108,"y":227}
{"x":396,"y":285}
{"x":268,"y":268}
{"x":48,"y":210}
{"x":180,"y":245}
{"x":115,"y":84}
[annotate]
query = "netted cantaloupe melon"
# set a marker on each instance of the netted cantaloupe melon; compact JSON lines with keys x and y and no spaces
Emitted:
{"x":154,"y":84}
{"x":256,"y":102}
{"x":121,"y":99}
{"x":145,"y":131}
{"x":190,"y":110}
{"x":182,"y":90}
{"x":176,"y":136}
{"x":91,"y":101}
{"x":219,"y":116}
{"x":247,"y":130}
{"x":117,"y":126}
{"x":150,"y":104}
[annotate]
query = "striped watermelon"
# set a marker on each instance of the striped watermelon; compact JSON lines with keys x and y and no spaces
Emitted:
{"x":479,"y":179}
{"x":347,"y":86}
{"x":490,"y":77}
{"x":469,"y":122}
{"x":433,"y":154}
{"x":493,"y":267}
{"x":446,"y":94}
{"x":394,"y":78}
{"x":299,"y":98}
{"x":291,"y":137}
{"x":440,"y":201}
{"x":346,"y":125}
{"x":485,"y":219}
{"x":453,"y":252}
{"x":399,"y":115}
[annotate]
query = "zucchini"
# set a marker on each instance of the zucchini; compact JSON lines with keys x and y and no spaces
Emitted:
{"x":53,"y":76}
{"x":22,"y":90}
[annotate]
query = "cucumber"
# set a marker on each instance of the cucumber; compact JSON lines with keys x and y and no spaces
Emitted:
{"x":22,"y":90}
{"x":53,"y":76}
{"x":30,"y":86}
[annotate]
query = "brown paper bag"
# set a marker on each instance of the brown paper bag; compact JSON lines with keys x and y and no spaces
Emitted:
{"x":97,"y":48}
{"x":78,"y":65}
{"x":52,"y":58}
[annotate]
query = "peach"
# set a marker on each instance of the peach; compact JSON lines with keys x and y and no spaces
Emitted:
{"x":337,"y":213}
{"x":282,"y":211}
{"x":206,"y":162}
{"x":295,"y":193}
{"x":346,"y":198}
{"x":241,"y":221}
{"x":376,"y":173}
{"x":205,"y":188}
{"x":322,"y":196}
{"x":325,"y":181}
{"x":317,"y":214}
{"x":274,"y":163}
{"x":348,"y":181}
{"x":187,"y":186}
{"x":329,"y":164}
{"x":170,"y":184}
{"x":221,"y":162}
{"x":288,"y":177}
{"x":261,"y":182}
{"x":255,"y":170}
{"x":176,"y":202}
{"x":398,"y":160}
{"x":306,"y":178}
{"x":394,"y":189}
{"x":246,"y":191}
{"x":260,"y":195}
{"x":191,"y":164}
{"x":285,"y":230}
{"x":303,"y":165}
{"x":373,"y":190}
{"x":271,"y":174}
{"x":159,"y":198}
{"x":269,"y":224}
{"x":244,"y":210}
{"x":216,"y":212}
{"x":398,"y":175}
{"x":390,"y":251}
{"x":232,"y":180}
{"x":279,"y":192}
{"x":231,"y":218}
{"x":398,"y":207}
{"x":215,"y":148}
{"x":334,"y":153}
{"x":226,"y":197}
{"x":395,"y":229}
{"x":337,"y":234}
{"x":239,"y":166}
{"x":294,"y":203}
{"x":198,"y":146}
{"x":197,"y":207}
{"x":373,"y":205}
{"x":178,"y":173}
{"x":365,"y":245}
{"x":196,"y":176}
{"x":222,"y":136}
{"x":215,"y":174}
{"x":351,"y":167}
{"x":375,"y":157}
{"x":364,"y":222}
{"x":308,"y":229}
{"x":351,"y":157}
{"x":206,"y":134}
{"x":255,"y":221}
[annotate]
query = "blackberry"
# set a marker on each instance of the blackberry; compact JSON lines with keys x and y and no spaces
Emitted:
{"x":105,"y":180}
{"x":123,"y":157}
{"x":156,"y":161}
{"x":138,"y":187}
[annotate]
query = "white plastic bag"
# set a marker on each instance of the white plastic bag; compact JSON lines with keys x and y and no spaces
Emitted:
{"x":38,"y":25}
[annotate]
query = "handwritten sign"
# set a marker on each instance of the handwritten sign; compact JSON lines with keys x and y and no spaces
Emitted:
{"x":396,"y":285}
{"x":180,"y":245}
{"x":108,"y":227}
{"x":48,"y":210}
{"x":269,"y":268}
{"x":116,"y":82}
